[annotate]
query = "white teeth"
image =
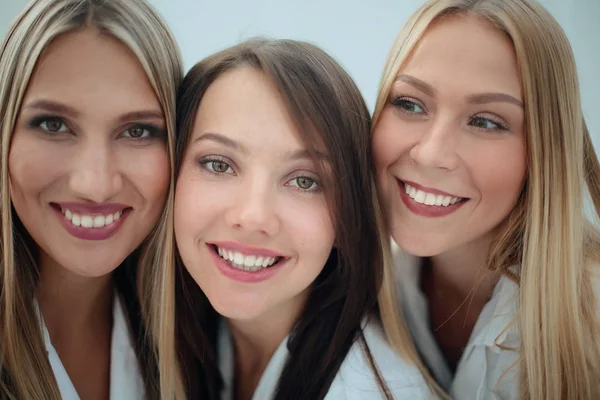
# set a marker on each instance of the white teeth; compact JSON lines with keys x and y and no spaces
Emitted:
{"x":91,"y":221}
{"x":250,"y":263}
{"x":87,"y":221}
{"x":430,"y":199}
{"x":238,"y":259}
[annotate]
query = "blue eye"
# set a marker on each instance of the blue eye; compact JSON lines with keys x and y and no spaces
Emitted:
{"x":408,"y":106}
{"x":305,"y":183}
{"x":487,"y":124}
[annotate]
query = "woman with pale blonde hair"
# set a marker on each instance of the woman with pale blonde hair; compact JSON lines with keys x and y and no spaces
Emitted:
{"x":87,"y":98}
{"x":483,"y":162}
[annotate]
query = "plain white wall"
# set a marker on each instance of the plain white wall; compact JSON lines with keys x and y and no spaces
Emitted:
{"x":357,"y":33}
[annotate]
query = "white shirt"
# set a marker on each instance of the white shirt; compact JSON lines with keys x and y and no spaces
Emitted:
{"x":354,"y":380}
{"x":126,"y":382}
{"x":479,"y":373}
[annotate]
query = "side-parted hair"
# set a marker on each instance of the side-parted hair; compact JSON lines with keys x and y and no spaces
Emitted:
{"x":24,"y":366}
{"x":331,"y":116}
{"x":547,"y":235}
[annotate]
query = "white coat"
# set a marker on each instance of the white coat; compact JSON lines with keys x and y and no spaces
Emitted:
{"x":126,"y":382}
{"x":354,"y":380}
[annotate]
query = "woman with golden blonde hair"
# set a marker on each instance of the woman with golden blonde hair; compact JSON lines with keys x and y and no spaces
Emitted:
{"x":87,"y":111}
{"x":483,"y":162}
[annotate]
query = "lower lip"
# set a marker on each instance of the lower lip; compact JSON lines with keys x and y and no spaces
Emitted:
{"x":425,"y":210}
{"x":102,"y":233}
{"x":244,"y":276}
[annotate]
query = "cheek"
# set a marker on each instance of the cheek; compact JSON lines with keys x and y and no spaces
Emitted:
{"x":32,"y":166}
{"x":391,"y":140}
{"x":312,"y":227}
{"x":149,"y":171}
{"x":499,"y":173}
{"x":196,"y":204}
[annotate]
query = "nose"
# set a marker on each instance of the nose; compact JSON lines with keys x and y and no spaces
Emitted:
{"x":437,"y":148}
{"x":96,"y":176}
{"x":253,"y":209}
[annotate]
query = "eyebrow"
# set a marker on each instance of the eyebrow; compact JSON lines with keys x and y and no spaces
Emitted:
{"x":417,"y":83}
{"x":221,"y":139}
{"x":304,"y":154}
{"x":52,"y":106}
{"x":59,"y":108}
{"x":484,"y":98}
{"x":292,"y":155}
{"x":478,"y":98}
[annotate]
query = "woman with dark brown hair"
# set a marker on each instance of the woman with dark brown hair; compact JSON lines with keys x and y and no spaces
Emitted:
{"x":277,"y":226}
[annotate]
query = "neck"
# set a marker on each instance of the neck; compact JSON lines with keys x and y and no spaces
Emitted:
{"x":257,"y":340}
{"x":73,"y":304}
{"x":462,"y":273}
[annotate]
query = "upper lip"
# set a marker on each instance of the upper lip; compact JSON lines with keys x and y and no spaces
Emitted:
{"x":88,"y":208}
{"x":429,"y":190}
{"x":247,"y":250}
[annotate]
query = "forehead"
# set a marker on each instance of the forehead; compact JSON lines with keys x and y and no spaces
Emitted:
{"x":245,"y":104}
{"x":467,"y":51}
{"x":91,"y":71}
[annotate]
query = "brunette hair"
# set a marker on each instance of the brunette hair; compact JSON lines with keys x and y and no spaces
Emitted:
{"x":330,"y":114}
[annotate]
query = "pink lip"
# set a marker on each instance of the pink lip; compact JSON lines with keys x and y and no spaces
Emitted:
{"x":93,"y":209}
{"x":247,"y":250}
{"x":102,"y":233}
{"x":425,"y":210}
{"x":428,"y":190}
{"x":244,"y":276}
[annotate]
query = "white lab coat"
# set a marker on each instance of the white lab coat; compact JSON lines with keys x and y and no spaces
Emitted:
{"x":354,"y":380}
{"x":126,"y":382}
{"x":479,"y":373}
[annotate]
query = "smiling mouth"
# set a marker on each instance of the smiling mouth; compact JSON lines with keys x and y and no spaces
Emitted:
{"x":90,"y":220}
{"x":430,"y":199}
{"x":246,"y":262}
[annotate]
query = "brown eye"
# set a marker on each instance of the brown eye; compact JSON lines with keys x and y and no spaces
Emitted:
{"x":137,"y":132}
{"x":219,"y":166}
{"x":53,"y":125}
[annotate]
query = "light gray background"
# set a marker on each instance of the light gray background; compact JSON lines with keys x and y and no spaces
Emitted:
{"x":358,"y":33}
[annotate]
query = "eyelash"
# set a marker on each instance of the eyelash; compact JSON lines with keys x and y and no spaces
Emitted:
{"x":207,"y":163}
{"x":37,"y":122}
{"x":400,"y":102}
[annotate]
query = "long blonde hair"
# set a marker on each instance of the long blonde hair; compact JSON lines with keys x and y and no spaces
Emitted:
{"x":26,"y":372}
{"x":547,"y":233}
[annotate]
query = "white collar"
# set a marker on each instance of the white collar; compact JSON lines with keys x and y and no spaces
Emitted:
{"x":226,"y":354}
{"x":494,"y":329}
{"x":126,"y":381}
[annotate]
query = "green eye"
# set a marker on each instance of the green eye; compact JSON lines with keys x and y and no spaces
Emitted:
{"x":305,"y":183}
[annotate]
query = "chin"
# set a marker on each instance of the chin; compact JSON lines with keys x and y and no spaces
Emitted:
{"x":418,"y":248}
{"x":87,"y":270}
{"x":233,"y":309}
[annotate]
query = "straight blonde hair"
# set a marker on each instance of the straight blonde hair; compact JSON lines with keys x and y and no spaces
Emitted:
{"x":547,"y":233}
{"x":26,"y":371}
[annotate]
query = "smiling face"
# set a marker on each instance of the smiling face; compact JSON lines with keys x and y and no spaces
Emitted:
{"x":88,"y":164}
{"x":449,"y":146}
{"x":252,"y":224}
